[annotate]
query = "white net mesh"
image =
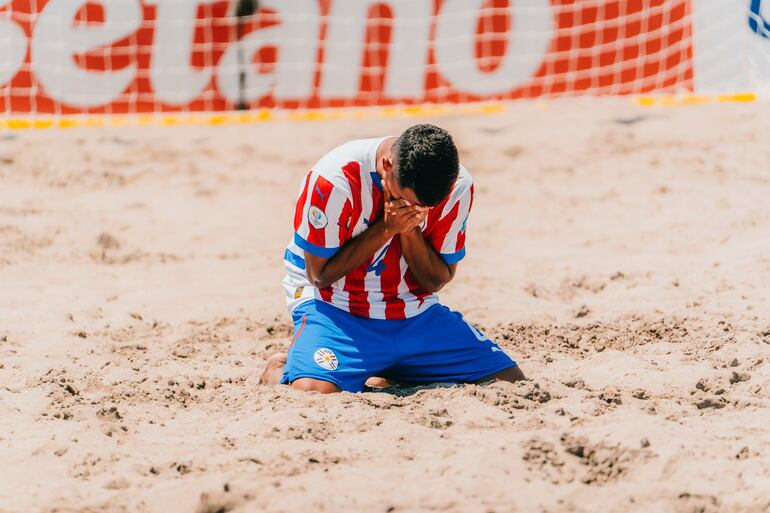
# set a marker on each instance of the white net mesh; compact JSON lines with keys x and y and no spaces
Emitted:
{"x":131,"y":56}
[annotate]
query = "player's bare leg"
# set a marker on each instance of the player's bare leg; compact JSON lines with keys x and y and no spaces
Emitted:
{"x":274,"y":369}
{"x":315,"y":385}
{"x":511,"y":374}
{"x":273,"y":374}
{"x":375,"y":382}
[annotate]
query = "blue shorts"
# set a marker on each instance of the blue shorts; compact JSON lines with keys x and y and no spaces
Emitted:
{"x":437,"y":346}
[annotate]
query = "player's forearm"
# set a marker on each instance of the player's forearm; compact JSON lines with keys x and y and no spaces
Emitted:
{"x":352,"y":255}
{"x":428,"y":268}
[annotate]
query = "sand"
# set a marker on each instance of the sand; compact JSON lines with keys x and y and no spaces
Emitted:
{"x":620,"y":253}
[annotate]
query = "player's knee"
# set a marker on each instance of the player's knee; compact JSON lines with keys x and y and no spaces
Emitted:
{"x":315,"y":385}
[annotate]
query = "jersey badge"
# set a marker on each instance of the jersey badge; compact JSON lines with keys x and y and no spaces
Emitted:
{"x":317,"y":218}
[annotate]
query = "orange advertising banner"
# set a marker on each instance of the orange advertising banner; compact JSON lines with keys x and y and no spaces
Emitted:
{"x":132,"y":56}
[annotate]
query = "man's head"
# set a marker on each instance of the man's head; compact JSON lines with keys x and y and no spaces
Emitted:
{"x":423,"y":165}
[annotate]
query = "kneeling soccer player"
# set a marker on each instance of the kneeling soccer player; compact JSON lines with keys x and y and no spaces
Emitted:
{"x":379,"y":228}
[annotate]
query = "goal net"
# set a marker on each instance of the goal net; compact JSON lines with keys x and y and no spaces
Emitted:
{"x":149,"y":56}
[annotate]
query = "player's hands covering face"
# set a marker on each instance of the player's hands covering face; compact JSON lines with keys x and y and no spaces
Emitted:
{"x":402,"y":216}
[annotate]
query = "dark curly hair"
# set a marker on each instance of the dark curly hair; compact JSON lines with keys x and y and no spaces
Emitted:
{"x":426,"y":161}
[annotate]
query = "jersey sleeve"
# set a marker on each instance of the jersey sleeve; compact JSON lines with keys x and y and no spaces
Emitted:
{"x":447,"y":235}
{"x":321,"y":216}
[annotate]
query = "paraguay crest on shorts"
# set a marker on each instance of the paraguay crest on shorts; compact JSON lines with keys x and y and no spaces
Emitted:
{"x":326,"y":359}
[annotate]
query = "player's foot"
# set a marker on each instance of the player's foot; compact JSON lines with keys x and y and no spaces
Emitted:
{"x":511,"y":374}
{"x":274,"y":369}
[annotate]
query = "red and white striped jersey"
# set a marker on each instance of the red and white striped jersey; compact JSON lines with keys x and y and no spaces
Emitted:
{"x":338,"y":199}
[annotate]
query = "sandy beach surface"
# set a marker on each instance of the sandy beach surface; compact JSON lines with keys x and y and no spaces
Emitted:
{"x":621,"y":254}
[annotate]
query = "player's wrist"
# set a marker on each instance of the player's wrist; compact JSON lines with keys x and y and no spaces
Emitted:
{"x":414,"y":231}
{"x":385,"y":233}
